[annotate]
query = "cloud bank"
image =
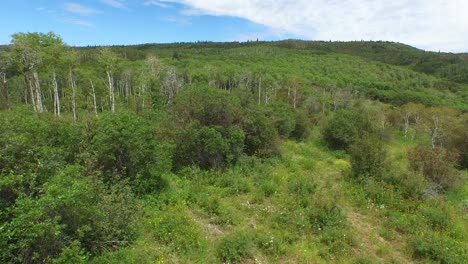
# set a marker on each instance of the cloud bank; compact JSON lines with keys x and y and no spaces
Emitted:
{"x":427,"y":24}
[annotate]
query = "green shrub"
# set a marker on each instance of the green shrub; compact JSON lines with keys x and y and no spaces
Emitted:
{"x":125,"y":144}
{"x":208,"y":106}
{"x":72,"y":207}
{"x":284,"y":118}
{"x":72,"y":254}
{"x":302,"y":187}
{"x":414,"y":186}
{"x":271,"y":244}
{"x":36,"y":146}
{"x":345,"y":127}
{"x":174,"y":228}
{"x":261,"y":137}
{"x":235,"y":247}
{"x":302,"y":127}
{"x":368,"y":157}
{"x":208,"y":146}
{"x":436,"y":247}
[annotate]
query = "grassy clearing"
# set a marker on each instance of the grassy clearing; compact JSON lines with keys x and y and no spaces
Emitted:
{"x":300,"y":208}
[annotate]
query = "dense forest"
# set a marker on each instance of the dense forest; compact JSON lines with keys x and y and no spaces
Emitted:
{"x":257,"y":152}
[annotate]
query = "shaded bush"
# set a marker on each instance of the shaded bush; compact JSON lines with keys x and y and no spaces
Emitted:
{"x":208,"y":106}
{"x":283,"y":116}
{"x":437,"y":165}
{"x":261,"y":137}
{"x":302,"y":127}
{"x":35,"y":146}
{"x":345,"y":127}
{"x":72,"y":209}
{"x":208,"y":146}
{"x":368,"y":157}
{"x":125,"y":145}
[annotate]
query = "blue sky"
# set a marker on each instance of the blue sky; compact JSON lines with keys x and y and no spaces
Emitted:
{"x":426,"y":24}
{"x":87,"y":22}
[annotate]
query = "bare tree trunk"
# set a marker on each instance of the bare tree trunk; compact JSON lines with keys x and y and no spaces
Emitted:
{"x":434,"y":131}
{"x":37,"y":85}
{"x":295,"y":97}
{"x":94,"y":98}
{"x":111,"y":91}
{"x":259,"y":90}
{"x":143,"y":95}
{"x":5,"y":92}
{"x":56,"y":96}
{"x":72,"y":85}
{"x":31,"y":92}
{"x":407,"y":118}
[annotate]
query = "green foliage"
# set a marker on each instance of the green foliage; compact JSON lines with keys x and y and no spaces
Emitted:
{"x":125,"y":145}
{"x":72,"y":254}
{"x":209,"y":106}
{"x":235,"y":248}
{"x":434,"y":247}
{"x":261,"y":137}
{"x":208,"y":147}
{"x":175,"y":229}
{"x":368,"y":157}
{"x":302,"y":128}
{"x":284,"y":118}
{"x":345,"y":127}
{"x":71,"y":208}
{"x":72,"y":190}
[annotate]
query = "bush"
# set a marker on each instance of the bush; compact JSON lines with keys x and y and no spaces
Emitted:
{"x":302,"y":128}
{"x":34,"y":145}
{"x":235,"y":247}
{"x":283,"y":117}
{"x":368,"y":157}
{"x":125,"y":145}
{"x":437,"y":165}
{"x":261,"y":137}
{"x":208,"y":106}
{"x":208,"y":146}
{"x":345,"y":127}
{"x":436,"y":247}
{"x":72,"y":207}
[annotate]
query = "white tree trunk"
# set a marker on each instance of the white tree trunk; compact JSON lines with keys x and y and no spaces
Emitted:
{"x":407,"y":119}
{"x":295,"y":97}
{"x":94,"y":98}
{"x":259,"y":91}
{"x":56,"y":96}
{"x":38,"y":95}
{"x":72,"y":85}
{"x":31,"y":92}
{"x":111,"y":91}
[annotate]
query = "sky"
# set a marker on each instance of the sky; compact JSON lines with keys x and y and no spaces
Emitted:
{"x":435,"y":25}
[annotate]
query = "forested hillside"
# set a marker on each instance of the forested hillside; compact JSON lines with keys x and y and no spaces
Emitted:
{"x":258,"y":152}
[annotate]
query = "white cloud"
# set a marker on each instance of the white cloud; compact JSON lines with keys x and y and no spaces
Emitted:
{"x":79,"y":9}
{"x":77,"y":22}
{"x":180,"y":20}
{"x":115,"y":3}
{"x":427,"y":24}
{"x":156,"y":3}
